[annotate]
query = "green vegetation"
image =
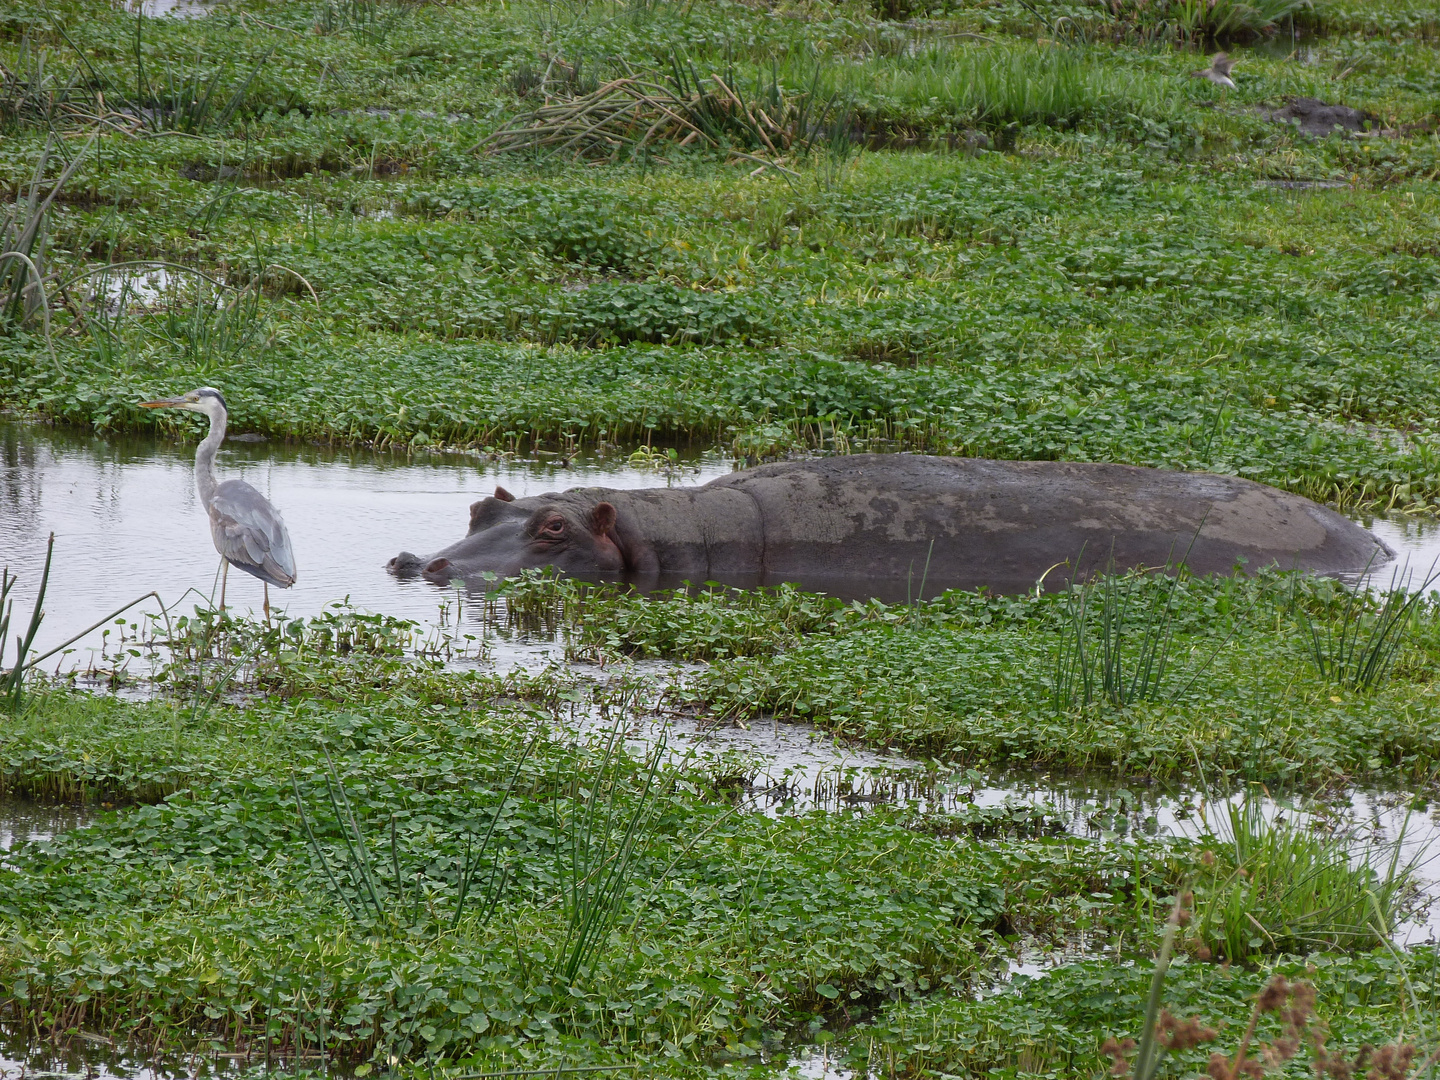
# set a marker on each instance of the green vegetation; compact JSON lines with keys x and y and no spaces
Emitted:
{"x":990,"y":227}
{"x":1124,"y":284}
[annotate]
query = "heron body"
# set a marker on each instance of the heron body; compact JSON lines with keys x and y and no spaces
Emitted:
{"x":1218,"y":72}
{"x":248,"y":532}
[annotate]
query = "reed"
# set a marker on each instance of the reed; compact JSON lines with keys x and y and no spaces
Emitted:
{"x":995,"y":86}
{"x":387,"y":896}
{"x":603,"y":824}
{"x":23,"y":246}
{"x":187,"y":100}
{"x":1115,"y":640}
{"x":369,"y":21}
{"x":718,"y":110}
{"x":1358,"y":647}
{"x":12,"y":683}
{"x":1275,"y":884}
{"x":1175,"y":21}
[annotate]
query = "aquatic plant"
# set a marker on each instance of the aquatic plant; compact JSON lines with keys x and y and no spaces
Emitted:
{"x":603,"y":824}
{"x":24,"y":238}
{"x":177,"y":98}
{"x":991,"y":87}
{"x":12,"y":683}
{"x":636,"y":111}
{"x":1123,"y":660}
{"x":370,"y":21}
{"x":1274,"y":883}
{"x":1358,"y":647}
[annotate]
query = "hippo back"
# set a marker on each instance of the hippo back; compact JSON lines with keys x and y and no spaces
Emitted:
{"x":1004,"y":523}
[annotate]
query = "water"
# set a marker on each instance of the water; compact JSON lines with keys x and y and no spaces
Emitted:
{"x":22,"y":821}
{"x":129,"y":290}
{"x":1287,"y":44}
{"x":179,"y":9}
{"x":127,"y":520}
{"x":1416,"y":543}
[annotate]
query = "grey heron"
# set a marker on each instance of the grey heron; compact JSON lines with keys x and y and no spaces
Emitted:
{"x":247,"y":530}
{"x":1218,"y":72}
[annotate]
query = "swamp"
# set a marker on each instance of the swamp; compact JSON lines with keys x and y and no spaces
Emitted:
{"x":1138,"y":824}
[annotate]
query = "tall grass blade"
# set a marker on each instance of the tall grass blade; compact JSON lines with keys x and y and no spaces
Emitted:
{"x":320,"y":855}
{"x":491,"y":890}
{"x":603,"y":836}
{"x":12,"y":685}
{"x":1358,"y":649}
{"x":1278,"y":885}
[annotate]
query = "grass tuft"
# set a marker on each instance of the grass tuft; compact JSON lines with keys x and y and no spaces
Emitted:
{"x":1358,"y":648}
{"x":1276,"y":884}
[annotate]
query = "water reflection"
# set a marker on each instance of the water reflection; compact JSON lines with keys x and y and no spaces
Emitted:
{"x":126,"y":519}
{"x":179,"y":9}
{"x":25,"y":821}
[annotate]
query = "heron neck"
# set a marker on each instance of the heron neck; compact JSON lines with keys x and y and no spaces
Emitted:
{"x":205,"y":460}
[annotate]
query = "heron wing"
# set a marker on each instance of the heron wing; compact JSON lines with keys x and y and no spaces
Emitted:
{"x":250,"y":534}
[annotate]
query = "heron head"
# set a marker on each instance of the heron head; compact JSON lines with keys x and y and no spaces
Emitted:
{"x":204,"y":400}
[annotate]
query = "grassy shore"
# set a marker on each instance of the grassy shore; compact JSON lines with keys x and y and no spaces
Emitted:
{"x":1126,"y":282}
{"x":981,"y":227}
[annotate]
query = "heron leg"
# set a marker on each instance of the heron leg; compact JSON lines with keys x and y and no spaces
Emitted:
{"x":267,"y":603}
{"x":224,"y":577}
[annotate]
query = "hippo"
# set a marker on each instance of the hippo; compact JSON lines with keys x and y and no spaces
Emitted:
{"x":882,"y":522}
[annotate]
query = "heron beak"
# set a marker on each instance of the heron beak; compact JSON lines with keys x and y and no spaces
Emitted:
{"x":163,"y":403}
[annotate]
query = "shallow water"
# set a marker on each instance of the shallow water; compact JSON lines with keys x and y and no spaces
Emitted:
{"x":126,"y":520}
{"x":179,"y":9}
{"x":1416,"y":543}
{"x":22,"y":821}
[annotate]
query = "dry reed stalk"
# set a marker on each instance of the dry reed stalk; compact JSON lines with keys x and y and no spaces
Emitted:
{"x":636,"y":112}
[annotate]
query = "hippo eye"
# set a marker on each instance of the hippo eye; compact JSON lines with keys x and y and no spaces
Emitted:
{"x":554,"y":527}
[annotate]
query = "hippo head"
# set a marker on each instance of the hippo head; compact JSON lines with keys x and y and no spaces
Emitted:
{"x":506,"y":537}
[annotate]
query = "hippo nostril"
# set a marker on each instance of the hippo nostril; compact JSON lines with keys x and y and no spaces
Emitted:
{"x":403,"y":562}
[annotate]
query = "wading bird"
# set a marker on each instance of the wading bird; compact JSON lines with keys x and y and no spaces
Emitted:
{"x":1218,"y":72}
{"x":247,"y":530}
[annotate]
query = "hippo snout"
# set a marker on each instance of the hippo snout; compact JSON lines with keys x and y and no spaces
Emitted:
{"x":405,"y":563}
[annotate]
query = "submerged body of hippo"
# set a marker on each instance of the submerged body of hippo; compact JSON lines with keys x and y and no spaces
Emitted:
{"x":880,"y":523}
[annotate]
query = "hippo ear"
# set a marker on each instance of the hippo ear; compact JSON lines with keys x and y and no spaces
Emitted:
{"x":437,"y":565}
{"x":503,"y":495}
{"x":602,"y":519}
{"x":490,"y":511}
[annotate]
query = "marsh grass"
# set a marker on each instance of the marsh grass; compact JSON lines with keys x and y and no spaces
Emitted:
{"x":1358,"y":645}
{"x":1184,"y":21}
{"x":24,"y":242}
{"x":718,"y":110}
{"x":31,"y":94}
{"x":371,"y":22}
{"x":185,"y":98}
{"x":12,"y":683}
{"x":604,"y":821}
{"x":1118,"y":649}
{"x":379,"y":893}
{"x":992,"y":87}
{"x":1275,"y":884}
